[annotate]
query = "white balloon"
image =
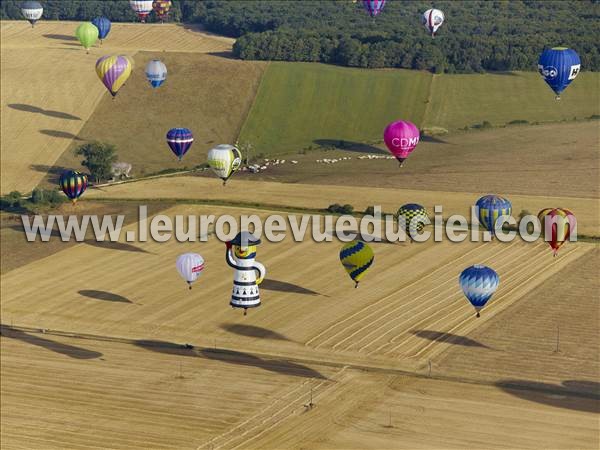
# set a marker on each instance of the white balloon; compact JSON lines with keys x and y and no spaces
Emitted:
{"x":156,"y":72}
{"x":224,"y":160}
{"x":432,"y":20}
{"x":190,"y":266}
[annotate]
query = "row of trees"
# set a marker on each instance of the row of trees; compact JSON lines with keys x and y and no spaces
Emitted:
{"x":476,"y":36}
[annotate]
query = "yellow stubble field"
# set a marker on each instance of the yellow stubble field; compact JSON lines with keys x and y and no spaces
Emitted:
{"x":50,"y":88}
{"x":116,"y":316}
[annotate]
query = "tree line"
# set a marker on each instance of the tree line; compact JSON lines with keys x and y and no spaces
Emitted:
{"x":477,"y":36}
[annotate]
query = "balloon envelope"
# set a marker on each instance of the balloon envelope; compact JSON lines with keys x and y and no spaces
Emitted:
{"x":190,"y":267}
{"x":103,"y":25}
{"x":356,"y":257}
{"x":142,"y":8}
{"x":180,"y":140}
{"x":432,"y":19}
{"x":401,"y":138}
{"x":224,"y":160}
{"x":478,"y":283}
{"x":156,"y":72}
{"x":161,"y":7}
{"x":373,"y":7}
{"x":113,"y":71}
{"x":559,"y":66}
{"x":32,"y":11}
{"x":414,"y":217}
{"x":557,"y":226}
{"x":73,"y":184}
{"x":87,"y":33}
{"x":491,"y":208}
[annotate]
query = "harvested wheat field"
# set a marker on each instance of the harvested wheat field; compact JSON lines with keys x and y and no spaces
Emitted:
{"x":117,"y":315}
{"x":41,"y":114}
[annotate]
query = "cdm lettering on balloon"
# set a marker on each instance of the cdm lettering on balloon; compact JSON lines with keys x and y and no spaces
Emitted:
{"x":490,"y":220}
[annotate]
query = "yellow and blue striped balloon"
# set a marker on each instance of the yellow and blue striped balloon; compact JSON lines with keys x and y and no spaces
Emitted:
{"x":113,"y":71}
{"x":356,"y":257}
{"x":491,"y":208}
{"x":73,"y":184}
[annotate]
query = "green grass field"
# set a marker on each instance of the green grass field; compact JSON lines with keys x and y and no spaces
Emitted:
{"x":464,"y":100}
{"x":303,"y":104}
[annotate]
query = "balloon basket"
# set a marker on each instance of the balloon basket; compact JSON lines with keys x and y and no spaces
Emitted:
{"x":478,"y":315}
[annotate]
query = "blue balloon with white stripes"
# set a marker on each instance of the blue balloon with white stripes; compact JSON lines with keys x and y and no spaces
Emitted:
{"x":559,"y":66}
{"x":490,"y":208}
{"x":103,"y":25}
{"x":180,"y":140}
{"x":478,"y":283}
{"x":156,"y":73}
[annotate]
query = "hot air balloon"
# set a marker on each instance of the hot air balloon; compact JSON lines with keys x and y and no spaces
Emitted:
{"x":557,"y":226}
{"x":190,"y":266}
{"x":373,"y":7}
{"x":414,"y":217}
{"x":401,"y":138}
{"x":492,"y":207}
{"x":161,"y":8}
{"x":432,"y":19}
{"x":103,"y":25}
{"x":73,"y":184}
{"x":32,"y":11}
{"x":559,"y":66}
{"x":113,"y":71}
{"x":142,"y":8}
{"x":224,"y":160}
{"x":180,"y":140}
{"x":356,"y":257}
{"x":248,"y":273}
{"x":478,"y":283}
{"x":87,"y":33}
{"x":156,"y":72}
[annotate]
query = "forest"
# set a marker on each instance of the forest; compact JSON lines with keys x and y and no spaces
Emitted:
{"x":477,"y":36}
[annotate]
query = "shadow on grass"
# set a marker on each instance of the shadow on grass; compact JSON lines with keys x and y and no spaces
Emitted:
{"x":60,"y":37}
{"x":252,"y":331}
{"x":120,"y":246}
{"x":58,"y":347}
{"x":450,"y":338}
{"x":53,"y":172}
{"x":349,"y":146}
{"x":226,"y":55}
{"x":104,"y":296}
{"x":60,"y":134}
{"x":231,"y":357}
{"x":572,"y":394}
{"x":284,"y":286}
{"x":46,"y":112}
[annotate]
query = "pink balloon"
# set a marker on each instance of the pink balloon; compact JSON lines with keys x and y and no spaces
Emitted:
{"x":401,"y":138}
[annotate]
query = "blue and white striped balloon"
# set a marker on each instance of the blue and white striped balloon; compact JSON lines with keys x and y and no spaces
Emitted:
{"x":156,"y":72}
{"x":478,"y":283}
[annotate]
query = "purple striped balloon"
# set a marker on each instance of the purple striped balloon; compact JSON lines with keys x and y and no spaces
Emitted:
{"x":373,"y":7}
{"x":113,"y":71}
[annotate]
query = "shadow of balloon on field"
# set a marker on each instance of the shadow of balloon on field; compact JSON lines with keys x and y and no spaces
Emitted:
{"x":103,"y":295}
{"x":225,"y":54}
{"x":53,"y":172}
{"x":350,"y":146}
{"x":433,"y":140}
{"x":120,"y":246}
{"x":60,"y":134}
{"x":58,"y":347}
{"x":252,"y":331}
{"x":449,"y":338}
{"x":272,"y":365}
{"x":585,"y":386}
{"x":231,"y":357}
{"x":367,"y":238}
{"x":60,"y":37}
{"x":558,"y":395}
{"x":284,"y":286}
{"x":45,"y":112}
